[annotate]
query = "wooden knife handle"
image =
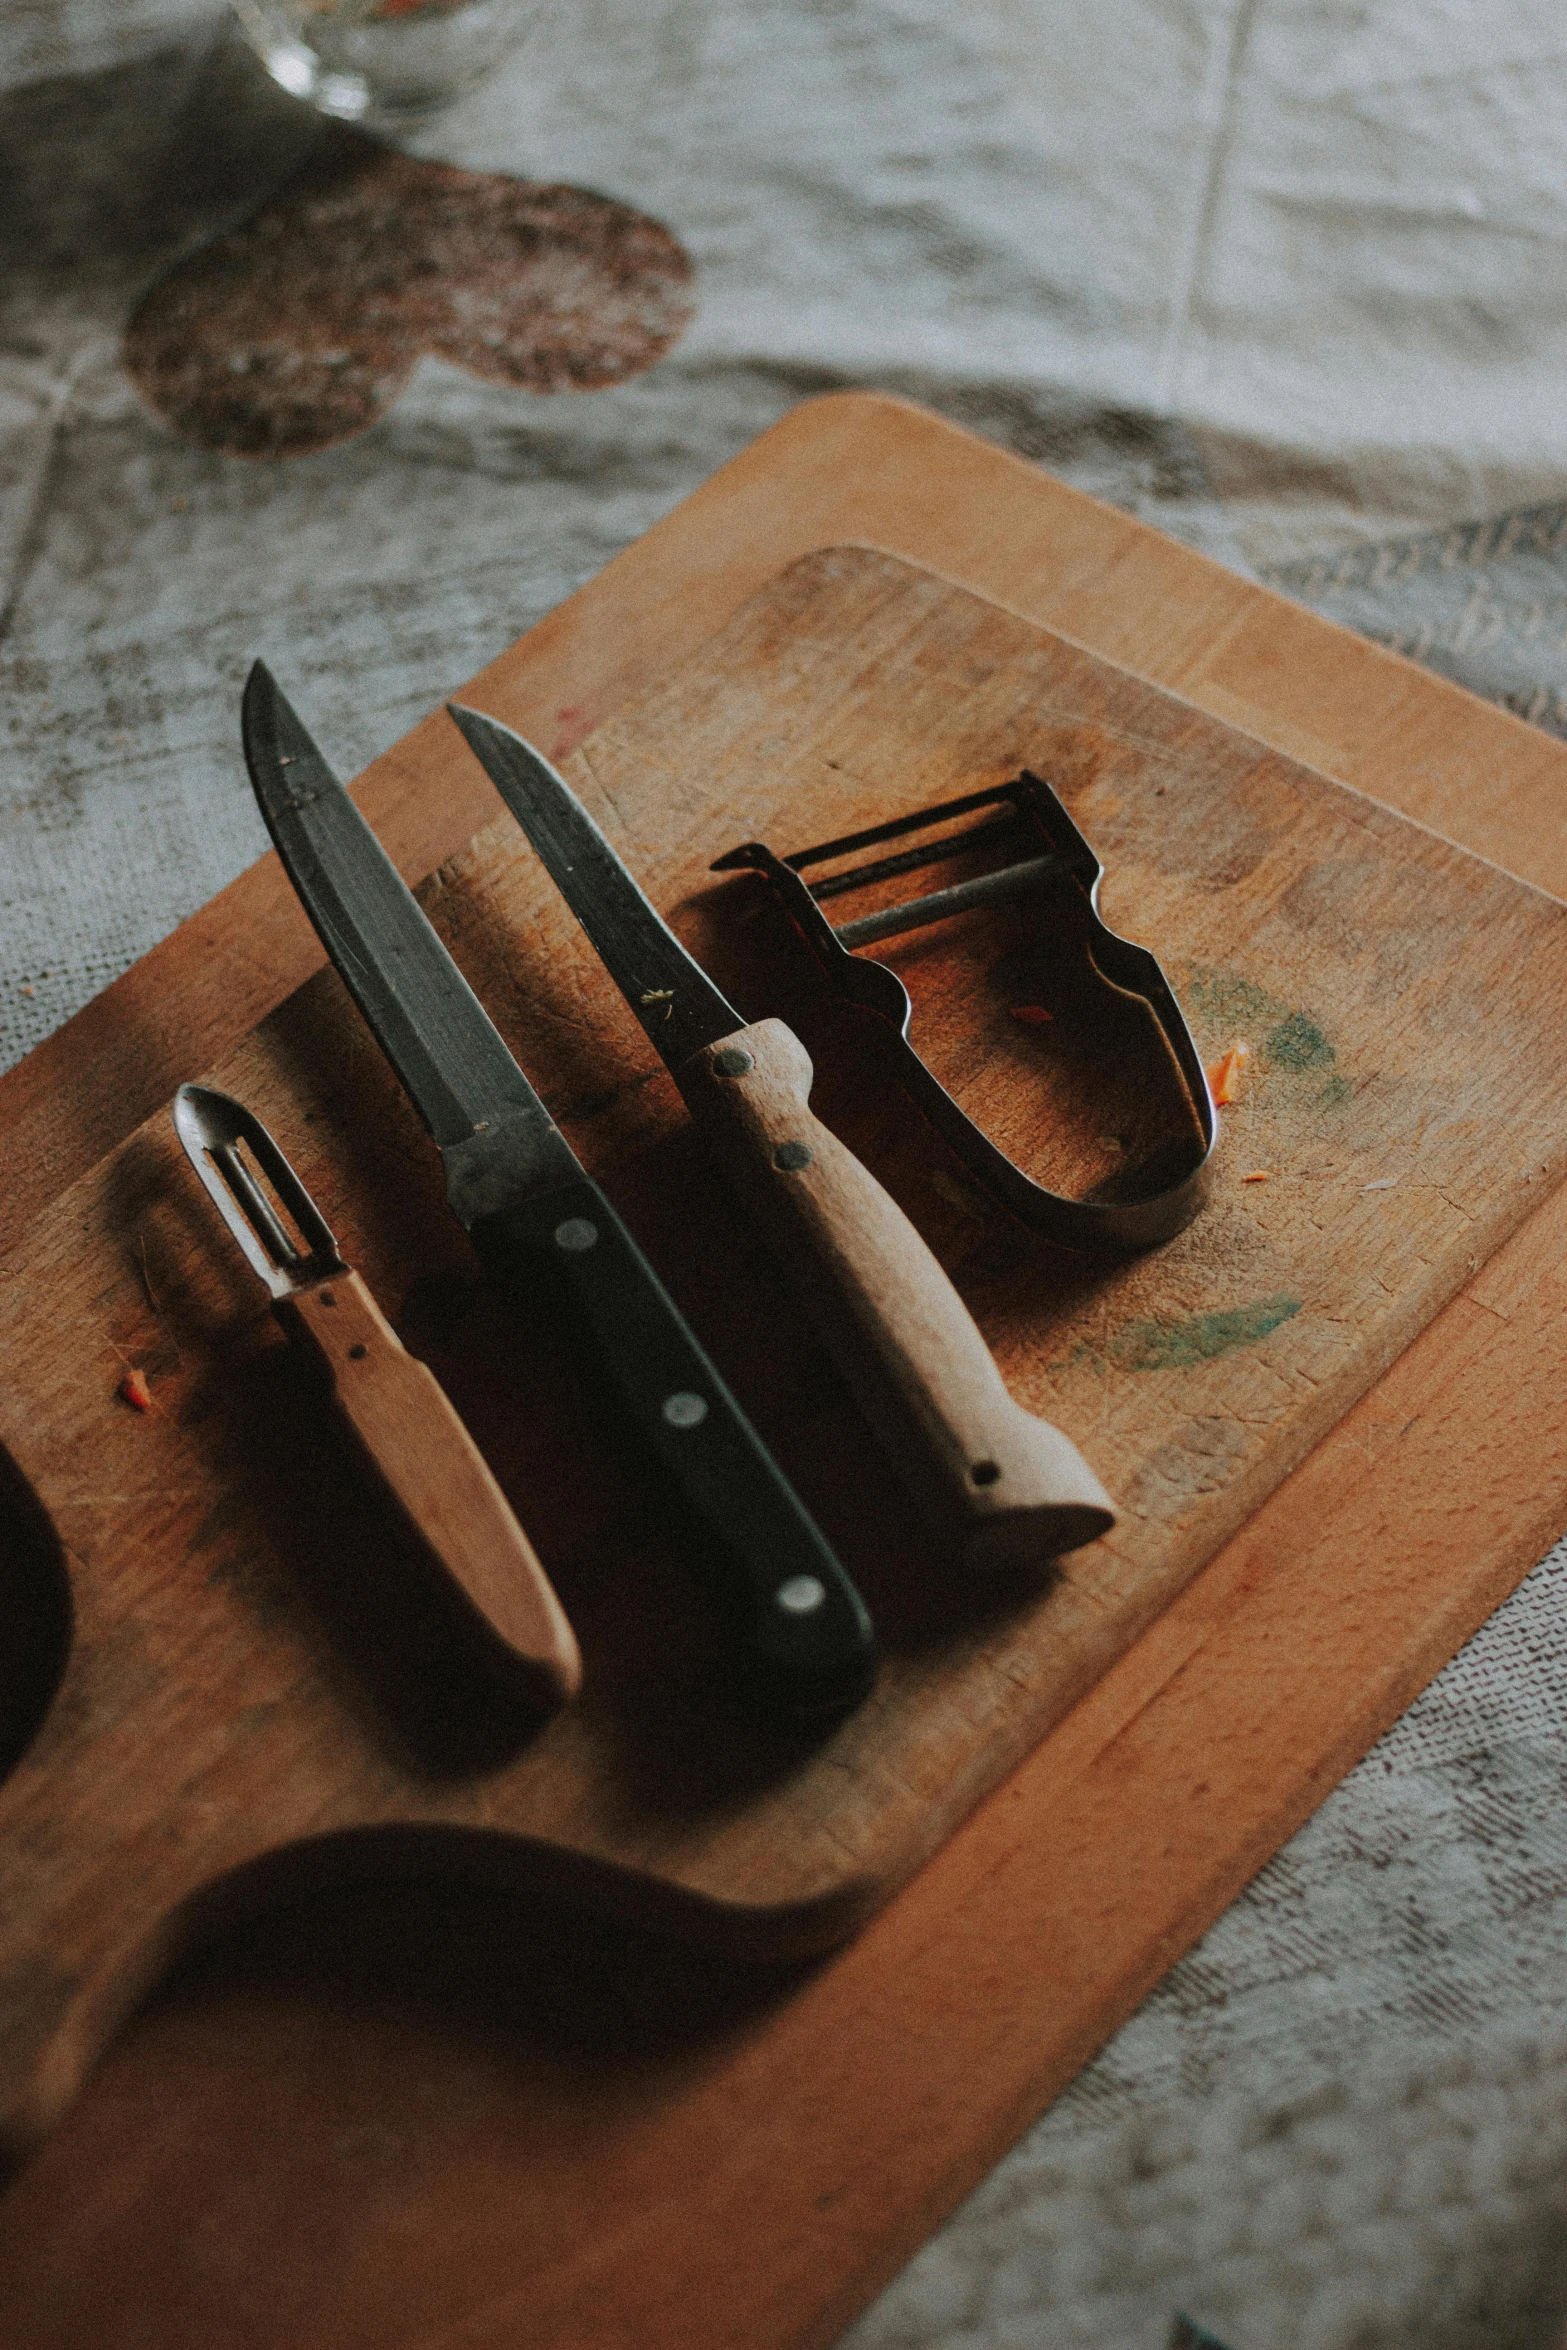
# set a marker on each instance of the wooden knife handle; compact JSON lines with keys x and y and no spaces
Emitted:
{"x":438,"y":1477}
{"x":1013,"y":1487}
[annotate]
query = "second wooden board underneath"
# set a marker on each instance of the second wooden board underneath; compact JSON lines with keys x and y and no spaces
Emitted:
{"x":230,"y":1689}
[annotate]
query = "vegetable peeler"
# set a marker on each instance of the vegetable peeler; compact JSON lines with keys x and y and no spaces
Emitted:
{"x":403,"y":1418}
{"x":1047,"y":865}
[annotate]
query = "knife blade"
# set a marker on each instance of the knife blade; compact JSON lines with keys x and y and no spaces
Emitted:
{"x":539,"y":1222}
{"x":1011,"y":1488}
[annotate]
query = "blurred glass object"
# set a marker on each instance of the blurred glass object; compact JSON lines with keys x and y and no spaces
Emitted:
{"x":382,"y":62}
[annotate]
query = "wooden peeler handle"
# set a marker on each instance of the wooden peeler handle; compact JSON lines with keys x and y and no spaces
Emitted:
{"x":1013,"y":1487}
{"x":438,"y":1476}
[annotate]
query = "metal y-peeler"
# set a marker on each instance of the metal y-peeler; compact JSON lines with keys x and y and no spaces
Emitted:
{"x":1045,"y":855}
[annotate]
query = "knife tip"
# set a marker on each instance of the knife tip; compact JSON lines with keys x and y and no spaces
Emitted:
{"x":261,"y":703}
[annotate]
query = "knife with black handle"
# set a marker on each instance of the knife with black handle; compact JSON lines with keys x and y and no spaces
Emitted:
{"x":539,"y":1221}
{"x":1010,"y":1488}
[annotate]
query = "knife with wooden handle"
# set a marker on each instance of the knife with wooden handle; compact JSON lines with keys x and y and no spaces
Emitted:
{"x":396,"y":1407}
{"x":1009,"y":1486}
{"x":799,"y":1631}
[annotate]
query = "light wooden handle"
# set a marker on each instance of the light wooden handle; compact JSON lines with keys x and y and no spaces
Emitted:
{"x":1013,"y":1487}
{"x":438,"y":1477}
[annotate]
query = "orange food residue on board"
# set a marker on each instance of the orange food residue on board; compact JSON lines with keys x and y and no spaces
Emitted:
{"x":1031,"y":1015}
{"x":136,"y":1392}
{"x":1225,"y":1074}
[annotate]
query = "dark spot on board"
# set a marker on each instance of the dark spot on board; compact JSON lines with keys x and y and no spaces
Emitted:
{"x":300,"y":327}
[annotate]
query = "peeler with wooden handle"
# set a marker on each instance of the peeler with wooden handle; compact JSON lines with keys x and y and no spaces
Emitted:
{"x":1012,"y":1488}
{"x":394,"y":1404}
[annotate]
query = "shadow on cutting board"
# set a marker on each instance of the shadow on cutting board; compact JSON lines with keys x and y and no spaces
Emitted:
{"x":291,"y":2090}
{"x":35,"y":1607}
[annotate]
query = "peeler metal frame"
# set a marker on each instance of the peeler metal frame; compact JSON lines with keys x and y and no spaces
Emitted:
{"x":211,"y":1126}
{"x":1037,"y":816}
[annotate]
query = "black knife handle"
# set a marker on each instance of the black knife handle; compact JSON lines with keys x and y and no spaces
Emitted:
{"x":798,"y":1621}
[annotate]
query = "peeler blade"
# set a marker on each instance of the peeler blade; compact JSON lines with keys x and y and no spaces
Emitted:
{"x":213,"y":1127}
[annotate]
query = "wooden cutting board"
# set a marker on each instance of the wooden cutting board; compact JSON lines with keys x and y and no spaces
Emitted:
{"x":234,"y":1684}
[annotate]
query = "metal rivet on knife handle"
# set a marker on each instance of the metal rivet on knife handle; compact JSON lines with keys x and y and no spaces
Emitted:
{"x":800,"y":1595}
{"x":575,"y":1235}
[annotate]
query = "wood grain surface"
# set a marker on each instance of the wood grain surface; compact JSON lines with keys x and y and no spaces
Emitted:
{"x":1401,"y":1103}
{"x":352,"y":2127}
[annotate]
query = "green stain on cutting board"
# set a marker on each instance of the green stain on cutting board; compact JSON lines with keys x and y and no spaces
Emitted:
{"x":1226,"y":1000}
{"x":1298,"y":1043}
{"x":1198,"y":1338}
{"x":1288,"y":1039}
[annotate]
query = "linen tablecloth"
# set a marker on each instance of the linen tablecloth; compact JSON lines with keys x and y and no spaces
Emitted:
{"x":1286,"y":277}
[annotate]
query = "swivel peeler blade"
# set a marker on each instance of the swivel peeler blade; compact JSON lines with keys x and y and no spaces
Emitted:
{"x":1027,"y":846}
{"x":220,"y":1135}
{"x":400,"y":1415}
